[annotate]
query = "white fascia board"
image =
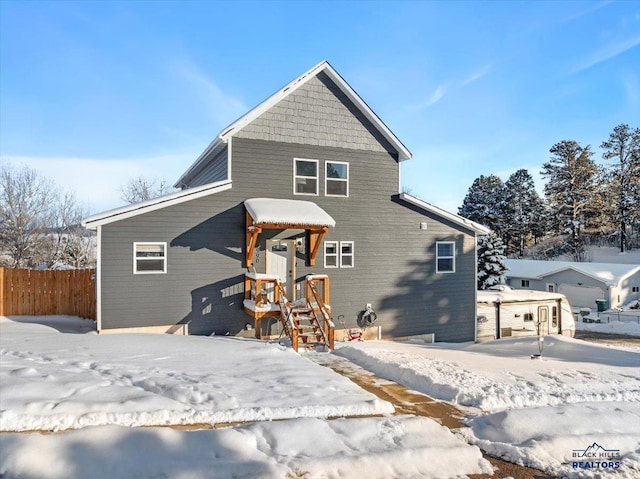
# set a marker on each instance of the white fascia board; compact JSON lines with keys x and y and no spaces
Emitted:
{"x":129,"y":211}
{"x":403,"y":152}
{"x":476,"y":227}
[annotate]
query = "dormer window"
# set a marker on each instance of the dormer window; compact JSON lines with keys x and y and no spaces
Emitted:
{"x":305,"y":177}
{"x":336,"y":178}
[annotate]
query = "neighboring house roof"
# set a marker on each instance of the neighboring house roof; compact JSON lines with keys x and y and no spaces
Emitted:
{"x":610,"y":274}
{"x":516,"y":295}
{"x":288,"y":212}
{"x":472,"y":225}
{"x":220,"y":141}
{"x":92,"y":222}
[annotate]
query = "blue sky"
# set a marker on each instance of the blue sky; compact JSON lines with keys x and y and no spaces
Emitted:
{"x":94,"y":93}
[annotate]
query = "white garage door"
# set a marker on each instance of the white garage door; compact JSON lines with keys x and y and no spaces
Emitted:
{"x":581,"y":296}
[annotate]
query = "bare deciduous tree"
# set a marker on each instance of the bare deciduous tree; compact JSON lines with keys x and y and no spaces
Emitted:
{"x":142,"y":189}
{"x":25,"y":201}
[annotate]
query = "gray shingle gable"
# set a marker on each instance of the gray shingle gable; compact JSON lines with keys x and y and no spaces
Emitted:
{"x":319,"y":114}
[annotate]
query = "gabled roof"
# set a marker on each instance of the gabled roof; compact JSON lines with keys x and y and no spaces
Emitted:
{"x":609,"y":273}
{"x":92,"y":222}
{"x":324,"y":66}
{"x":288,"y":212}
{"x":459,"y":220}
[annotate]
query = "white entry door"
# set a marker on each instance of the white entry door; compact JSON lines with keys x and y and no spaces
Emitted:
{"x":280,"y":261}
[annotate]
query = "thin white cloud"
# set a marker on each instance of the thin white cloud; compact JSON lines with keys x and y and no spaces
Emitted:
{"x":609,"y":51}
{"x":95,"y":182}
{"x":476,"y":76}
{"x":593,"y":8}
{"x":437,"y":95}
{"x":222,"y":106}
{"x":632,"y":89}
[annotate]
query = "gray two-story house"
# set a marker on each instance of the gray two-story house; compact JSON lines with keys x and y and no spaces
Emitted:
{"x":306,"y":183}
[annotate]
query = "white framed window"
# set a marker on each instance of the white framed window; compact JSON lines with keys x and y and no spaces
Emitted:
{"x":445,"y":257}
{"x":524,"y":283}
{"x":336,"y":179}
{"x":339,"y":254}
{"x":305,"y":176}
{"x":346,"y":254}
{"x":149,"y":258}
{"x":551,"y":287}
{"x":330,"y":254}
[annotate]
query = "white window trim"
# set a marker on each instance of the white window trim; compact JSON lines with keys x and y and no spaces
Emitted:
{"x":551,"y":287}
{"x":136,"y":259}
{"x":327,"y":179}
{"x":337,"y":253}
{"x":352,"y":254}
{"x":453,"y":257}
{"x":317,"y":177}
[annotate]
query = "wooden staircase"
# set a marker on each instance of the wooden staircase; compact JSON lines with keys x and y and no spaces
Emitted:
{"x":310,"y":325}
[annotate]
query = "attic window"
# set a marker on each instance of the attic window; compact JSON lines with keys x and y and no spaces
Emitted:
{"x":305,"y":177}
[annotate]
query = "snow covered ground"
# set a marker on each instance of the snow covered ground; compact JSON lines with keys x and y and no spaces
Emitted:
{"x":541,"y":412}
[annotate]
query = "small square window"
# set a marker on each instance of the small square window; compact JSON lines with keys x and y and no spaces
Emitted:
{"x":524,"y":283}
{"x":305,"y":177}
{"x":336,"y":178}
{"x":445,"y":257}
{"x":149,"y":258}
{"x":528,"y":316}
{"x":635,"y":289}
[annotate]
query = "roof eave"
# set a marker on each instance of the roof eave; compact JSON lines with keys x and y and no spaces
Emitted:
{"x":464,"y":222}
{"x":128,"y":211}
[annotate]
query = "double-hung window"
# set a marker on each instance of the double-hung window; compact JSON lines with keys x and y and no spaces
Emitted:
{"x":336,"y":178}
{"x":149,"y":258}
{"x":445,"y":257}
{"x":338,"y":254}
{"x":305,"y":177}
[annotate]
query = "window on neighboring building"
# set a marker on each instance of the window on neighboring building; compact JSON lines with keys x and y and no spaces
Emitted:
{"x":445,"y":257}
{"x":524,"y":283}
{"x":149,"y":258}
{"x":551,"y":287}
{"x":635,"y":289}
{"x":305,"y":177}
{"x":336,"y":178}
{"x":330,"y":254}
{"x":346,"y":254}
{"x":528,"y":316}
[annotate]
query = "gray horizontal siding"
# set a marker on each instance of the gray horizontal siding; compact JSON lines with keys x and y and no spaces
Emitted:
{"x":394,"y":259}
{"x":214,"y":169}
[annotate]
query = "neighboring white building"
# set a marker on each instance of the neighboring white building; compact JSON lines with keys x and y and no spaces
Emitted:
{"x":504,"y":312}
{"x":582,"y":283}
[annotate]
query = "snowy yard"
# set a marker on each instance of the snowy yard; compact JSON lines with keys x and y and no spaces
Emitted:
{"x":56,"y":375}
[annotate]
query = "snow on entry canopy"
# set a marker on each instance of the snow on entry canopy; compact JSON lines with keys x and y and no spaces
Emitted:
{"x":288,"y":212}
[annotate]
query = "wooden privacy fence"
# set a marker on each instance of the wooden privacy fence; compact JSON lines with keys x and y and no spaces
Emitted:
{"x":38,"y":293}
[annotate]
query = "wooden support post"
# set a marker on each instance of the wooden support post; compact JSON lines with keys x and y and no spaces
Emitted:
{"x":315,"y":238}
{"x":247,"y":287}
{"x":251,"y":239}
{"x":294,"y":339}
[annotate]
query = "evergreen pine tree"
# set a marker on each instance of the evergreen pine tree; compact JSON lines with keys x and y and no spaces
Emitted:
{"x":623,"y":146}
{"x":484,"y":203}
{"x":571,"y":186}
{"x":524,"y":210}
{"x":491,"y":257}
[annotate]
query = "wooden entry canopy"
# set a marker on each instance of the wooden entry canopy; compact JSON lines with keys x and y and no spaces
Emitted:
{"x":279,"y":214}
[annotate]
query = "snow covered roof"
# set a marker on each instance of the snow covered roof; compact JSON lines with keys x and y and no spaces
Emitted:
{"x":477,"y":227}
{"x":117,"y":214}
{"x":516,"y":296}
{"x":288,"y":212}
{"x":609,"y":273}
{"x":324,"y":66}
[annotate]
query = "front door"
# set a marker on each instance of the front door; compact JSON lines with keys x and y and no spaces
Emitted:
{"x":281,"y":261}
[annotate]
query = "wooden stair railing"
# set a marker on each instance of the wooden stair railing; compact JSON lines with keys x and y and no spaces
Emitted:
{"x":328,"y":327}
{"x":303,"y":325}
